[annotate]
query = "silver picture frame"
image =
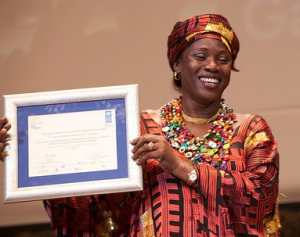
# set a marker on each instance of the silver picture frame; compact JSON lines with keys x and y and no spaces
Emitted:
{"x":20,"y":186}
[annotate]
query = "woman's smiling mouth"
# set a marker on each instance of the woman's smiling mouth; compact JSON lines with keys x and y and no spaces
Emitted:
{"x":209,"y":80}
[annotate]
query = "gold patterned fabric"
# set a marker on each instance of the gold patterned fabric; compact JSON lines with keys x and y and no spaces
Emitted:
{"x":241,"y":201}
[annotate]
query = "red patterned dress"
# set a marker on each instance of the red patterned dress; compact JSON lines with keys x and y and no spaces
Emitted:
{"x":242,"y":202}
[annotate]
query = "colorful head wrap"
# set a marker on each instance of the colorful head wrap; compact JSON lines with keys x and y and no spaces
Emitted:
{"x":192,"y":29}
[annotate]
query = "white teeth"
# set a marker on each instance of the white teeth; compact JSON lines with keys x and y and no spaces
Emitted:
{"x":211,"y":80}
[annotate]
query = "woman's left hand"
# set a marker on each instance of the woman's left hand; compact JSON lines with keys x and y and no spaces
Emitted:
{"x":151,"y":146}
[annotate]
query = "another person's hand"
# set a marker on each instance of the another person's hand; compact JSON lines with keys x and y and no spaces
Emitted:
{"x":153,"y":146}
{"x":4,"y":136}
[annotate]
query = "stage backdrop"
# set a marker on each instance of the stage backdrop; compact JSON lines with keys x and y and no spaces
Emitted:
{"x":70,"y":44}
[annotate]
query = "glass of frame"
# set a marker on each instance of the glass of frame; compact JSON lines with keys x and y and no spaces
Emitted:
{"x":71,"y":143}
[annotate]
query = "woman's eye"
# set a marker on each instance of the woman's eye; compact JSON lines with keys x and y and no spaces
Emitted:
{"x":224,"y":60}
{"x":200,"y":57}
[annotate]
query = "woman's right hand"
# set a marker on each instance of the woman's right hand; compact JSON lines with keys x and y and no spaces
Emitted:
{"x":4,"y":136}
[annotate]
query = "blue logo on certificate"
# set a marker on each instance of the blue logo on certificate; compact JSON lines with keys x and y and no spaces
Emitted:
{"x":108,"y":117}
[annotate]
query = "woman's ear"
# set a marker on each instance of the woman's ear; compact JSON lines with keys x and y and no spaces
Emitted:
{"x":176,"y":66}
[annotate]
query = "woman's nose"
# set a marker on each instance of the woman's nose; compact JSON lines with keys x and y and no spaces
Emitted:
{"x":211,"y":65}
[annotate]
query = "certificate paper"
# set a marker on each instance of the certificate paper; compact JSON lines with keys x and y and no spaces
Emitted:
{"x":72,"y":142}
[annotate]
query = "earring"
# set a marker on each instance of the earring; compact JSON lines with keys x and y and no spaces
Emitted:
{"x":177,"y":76}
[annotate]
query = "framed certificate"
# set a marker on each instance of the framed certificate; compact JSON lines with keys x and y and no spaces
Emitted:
{"x":71,"y":143}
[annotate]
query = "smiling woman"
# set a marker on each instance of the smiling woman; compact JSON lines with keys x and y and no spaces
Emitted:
{"x":207,"y":170}
{"x":214,"y":174}
{"x":205,"y":68}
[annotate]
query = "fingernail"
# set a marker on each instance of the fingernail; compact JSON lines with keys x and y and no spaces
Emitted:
{"x":6,"y":148}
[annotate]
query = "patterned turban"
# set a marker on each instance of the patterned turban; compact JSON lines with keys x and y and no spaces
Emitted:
{"x":192,"y":29}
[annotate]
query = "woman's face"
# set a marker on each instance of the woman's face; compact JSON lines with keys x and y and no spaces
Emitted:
{"x":205,"y":68}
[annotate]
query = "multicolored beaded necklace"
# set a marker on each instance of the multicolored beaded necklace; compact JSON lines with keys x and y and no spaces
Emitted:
{"x":212,"y":148}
